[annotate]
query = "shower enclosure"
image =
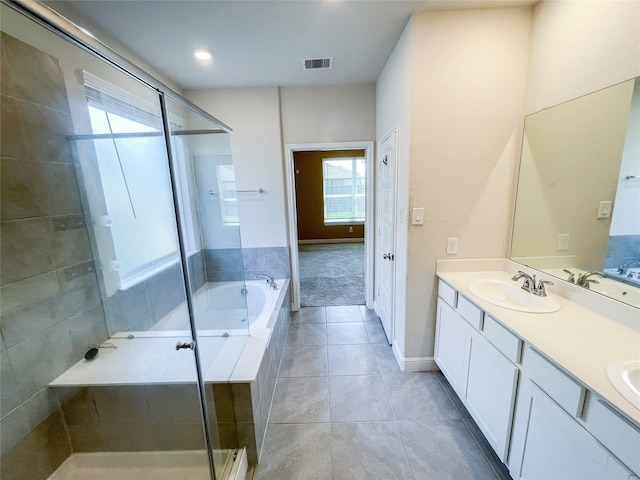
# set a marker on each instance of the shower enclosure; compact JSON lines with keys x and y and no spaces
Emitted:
{"x":117,"y":198}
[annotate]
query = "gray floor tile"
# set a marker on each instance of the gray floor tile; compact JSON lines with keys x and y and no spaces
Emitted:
{"x":296,"y":452}
{"x":346,"y":333}
{"x":387,"y":362}
{"x":448,"y":389}
{"x":307,"y":361}
{"x":368,"y":314}
{"x":306,"y":335}
{"x":301,"y":400}
{"x":309,"y":315}
{"x":346,"y":313}
{"x":358,"y":398}
{"x":499,"y":468}
{"x":417,"y":396}
{"x":443,"y":451}
{"x":367,"y":451}
{"x":352,"y":360}
{"x":376,"y":333}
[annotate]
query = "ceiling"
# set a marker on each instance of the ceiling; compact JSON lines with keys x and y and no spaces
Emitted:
{"x":256,"y":43}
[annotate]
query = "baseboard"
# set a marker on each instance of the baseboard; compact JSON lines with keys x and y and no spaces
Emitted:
{"x":415,"y":364}
{"x":331,"y":240}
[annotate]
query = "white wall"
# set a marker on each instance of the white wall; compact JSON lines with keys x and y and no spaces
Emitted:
{"x":339,"y":113}
{"x":254,"y":115}
{"x":469,"y":77}
{"x":578,"y":47}
{"x":307,"y":115}
{"x":393,"y":110}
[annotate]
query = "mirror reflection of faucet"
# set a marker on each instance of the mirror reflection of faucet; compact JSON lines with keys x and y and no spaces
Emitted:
{"x":584,"y":280}
{"x":572,"y":276}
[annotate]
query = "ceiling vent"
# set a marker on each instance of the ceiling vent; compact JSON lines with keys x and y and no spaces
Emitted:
{"x":317,"y":63}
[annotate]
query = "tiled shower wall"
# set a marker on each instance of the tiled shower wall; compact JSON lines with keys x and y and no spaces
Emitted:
{"x":51,"y":308}
{"x":229,"y":264}
{"x":622,"y":250}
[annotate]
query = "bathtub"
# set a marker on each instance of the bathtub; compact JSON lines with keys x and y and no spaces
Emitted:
{"x":223,"y":308}
{"x":231,"y":345}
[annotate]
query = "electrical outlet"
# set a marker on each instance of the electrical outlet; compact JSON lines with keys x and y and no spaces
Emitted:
{"x":563,"y":241}
{"x":452,"y":246}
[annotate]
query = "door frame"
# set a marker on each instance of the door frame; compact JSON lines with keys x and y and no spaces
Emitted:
{"x":292,"y":217}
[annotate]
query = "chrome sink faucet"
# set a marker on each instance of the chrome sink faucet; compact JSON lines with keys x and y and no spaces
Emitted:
{"x":529,"y":283}
{"x":270,"y":281}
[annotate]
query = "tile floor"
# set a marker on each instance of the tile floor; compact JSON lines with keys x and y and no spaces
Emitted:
{"x":343,"y":409}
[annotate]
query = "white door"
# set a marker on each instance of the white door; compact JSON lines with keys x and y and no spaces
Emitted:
{"x":385,"y":235}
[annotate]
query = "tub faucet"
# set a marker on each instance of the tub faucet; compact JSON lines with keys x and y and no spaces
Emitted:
{"x":270,"y":281}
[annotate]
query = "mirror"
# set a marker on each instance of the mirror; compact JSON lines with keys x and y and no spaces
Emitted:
{"x":578,"y":201}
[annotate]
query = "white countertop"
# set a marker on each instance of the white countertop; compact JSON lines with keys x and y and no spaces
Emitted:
{"x":580,"y":340}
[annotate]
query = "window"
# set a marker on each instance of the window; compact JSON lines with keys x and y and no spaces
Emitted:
{"x":228,"y":200}
{"x":343,"y":182}
{"x":127,"y":184}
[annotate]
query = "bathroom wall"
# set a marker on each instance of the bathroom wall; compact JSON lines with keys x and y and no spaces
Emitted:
{"x":337,"y":113}
{"x":261,"y":121}
{"x":265,"y":118}
{"x":580,"y":47}
{"x":254,"y":115}
{"x":468,"y":75}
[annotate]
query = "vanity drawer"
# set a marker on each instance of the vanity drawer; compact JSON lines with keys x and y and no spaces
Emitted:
{"x":447,"y":293}
{"x":470,"y":312}
{"x":501,"y":338}
{"x":563,"y":390}
{"x":614,"y":432}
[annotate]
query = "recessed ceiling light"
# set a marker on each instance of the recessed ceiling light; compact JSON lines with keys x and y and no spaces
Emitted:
{"x":202,"y":55}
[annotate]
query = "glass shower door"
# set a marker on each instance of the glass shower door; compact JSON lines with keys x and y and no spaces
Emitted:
{"x":94,"y":296}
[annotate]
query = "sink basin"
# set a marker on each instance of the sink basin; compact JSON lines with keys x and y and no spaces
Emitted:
{"x":510,"y":295}
{"x":625,"y":376}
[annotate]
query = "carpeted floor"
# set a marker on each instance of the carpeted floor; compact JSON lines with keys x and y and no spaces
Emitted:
{"x":331,"y":274}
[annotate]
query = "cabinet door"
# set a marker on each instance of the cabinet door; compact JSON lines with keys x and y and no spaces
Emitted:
{"x":552,"y":445}
{"x":450,"y":354}
{"x":491,"y":391}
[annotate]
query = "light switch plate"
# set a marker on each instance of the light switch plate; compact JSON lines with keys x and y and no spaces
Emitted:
{"x":604,"y":209}
{"x":563,"y":241}
{"x":452,"y":246}
{"x":417,"y":216}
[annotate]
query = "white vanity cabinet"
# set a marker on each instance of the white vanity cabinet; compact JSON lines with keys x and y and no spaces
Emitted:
{"x":451,"y":345}
{"x":491,"y":391}
{"x":542,"y":422}
{"x":482,"y":376}
{"x":549,"y":440}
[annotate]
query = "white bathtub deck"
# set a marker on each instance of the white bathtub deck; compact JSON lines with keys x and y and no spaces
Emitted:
{"x":146,"y":360}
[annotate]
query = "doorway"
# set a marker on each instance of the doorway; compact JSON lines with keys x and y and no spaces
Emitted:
{"x":306,"y":251}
